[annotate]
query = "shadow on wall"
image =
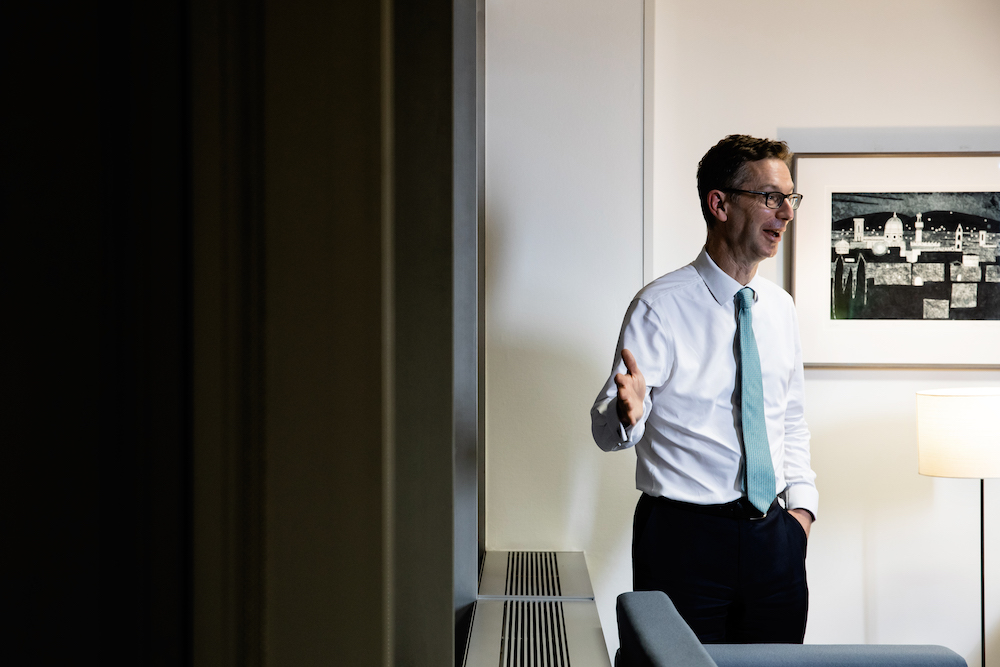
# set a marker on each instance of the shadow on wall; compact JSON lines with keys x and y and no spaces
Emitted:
{"x":992,"y":643}
{"x":553,"y":319}
{"x":548,"y":484}
{"x":882,"y":523}
{"x":864,"y":446}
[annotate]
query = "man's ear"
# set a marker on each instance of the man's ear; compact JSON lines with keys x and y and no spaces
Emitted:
{"x":717,"y":205}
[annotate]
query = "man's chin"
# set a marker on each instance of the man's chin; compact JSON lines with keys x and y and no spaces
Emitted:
{"x":771,"y":249}
{"x":767,"y":253}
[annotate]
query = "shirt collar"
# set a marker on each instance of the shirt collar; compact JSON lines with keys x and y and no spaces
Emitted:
{"x":722,"y":286}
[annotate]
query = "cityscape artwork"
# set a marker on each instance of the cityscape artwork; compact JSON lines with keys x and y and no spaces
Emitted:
{"x":915,"y":256}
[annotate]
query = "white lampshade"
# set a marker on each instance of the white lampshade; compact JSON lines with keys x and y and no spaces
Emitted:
{"x":958,"y":432}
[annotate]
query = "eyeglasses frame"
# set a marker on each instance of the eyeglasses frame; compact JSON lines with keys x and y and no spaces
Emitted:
{"x":767,"y":195}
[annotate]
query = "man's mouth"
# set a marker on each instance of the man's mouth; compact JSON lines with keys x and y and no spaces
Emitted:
{"x":774,"y":233}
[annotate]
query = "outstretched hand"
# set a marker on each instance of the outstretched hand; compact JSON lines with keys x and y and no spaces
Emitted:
{"x":631,"y":391}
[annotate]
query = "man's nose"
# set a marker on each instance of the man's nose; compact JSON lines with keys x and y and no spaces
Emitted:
{"x":785,"y":211}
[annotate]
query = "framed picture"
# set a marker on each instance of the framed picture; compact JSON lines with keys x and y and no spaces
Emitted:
{"x":896,"y":259}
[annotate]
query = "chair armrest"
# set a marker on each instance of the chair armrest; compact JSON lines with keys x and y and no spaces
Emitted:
{"x":653,"y":634}
{"x":833,"y":655}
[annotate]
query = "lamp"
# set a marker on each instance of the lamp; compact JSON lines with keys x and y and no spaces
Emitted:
{"x":958,"y":436}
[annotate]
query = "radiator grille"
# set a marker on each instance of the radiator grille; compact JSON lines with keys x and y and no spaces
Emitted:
{"x":534,"y":633}
{"x":535,"y":609}
{"x":534,"y":573}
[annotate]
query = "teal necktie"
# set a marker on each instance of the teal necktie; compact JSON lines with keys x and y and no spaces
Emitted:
{"x":759,"y":469}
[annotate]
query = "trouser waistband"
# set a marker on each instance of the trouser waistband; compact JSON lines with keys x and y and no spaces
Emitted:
{"x":737,"y":509}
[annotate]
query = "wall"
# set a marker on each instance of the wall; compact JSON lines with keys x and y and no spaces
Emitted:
{"x":95,"y":399}
{"x":563,"y":259}
{"x":325,"y":222}
{"x":360,"y":225}
{"x":894,"y":557}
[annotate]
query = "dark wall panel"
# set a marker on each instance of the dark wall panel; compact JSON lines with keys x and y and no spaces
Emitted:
{"x":324,"y":314}
{"x":423,"y":297}
{"x":96,"y":409}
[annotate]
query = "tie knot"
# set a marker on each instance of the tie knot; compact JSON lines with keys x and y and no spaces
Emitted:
{"x":745,"y":298}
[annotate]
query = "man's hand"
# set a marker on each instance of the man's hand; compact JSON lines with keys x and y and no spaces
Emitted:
{"x":631,"y":391}
{"x":803,"y":517}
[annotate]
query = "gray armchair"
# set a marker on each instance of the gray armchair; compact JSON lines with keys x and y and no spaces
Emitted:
{"x":653,"y":634}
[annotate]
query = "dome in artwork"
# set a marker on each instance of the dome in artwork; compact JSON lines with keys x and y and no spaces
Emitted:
{"x":893,"y":228}
{"x":842,"y":247}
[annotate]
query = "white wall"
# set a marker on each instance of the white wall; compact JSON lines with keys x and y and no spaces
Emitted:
{"x":894,"y":557}
{"x":564,"y":247}
{"x":848,"y":64}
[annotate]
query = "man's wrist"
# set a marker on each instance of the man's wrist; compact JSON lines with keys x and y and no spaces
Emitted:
{"x":811,"y":516}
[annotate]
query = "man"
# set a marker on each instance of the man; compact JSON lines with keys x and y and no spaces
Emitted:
{"x":711,"y":397}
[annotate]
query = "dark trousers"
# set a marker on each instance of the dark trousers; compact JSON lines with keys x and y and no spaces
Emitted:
{"x":733,"y":580}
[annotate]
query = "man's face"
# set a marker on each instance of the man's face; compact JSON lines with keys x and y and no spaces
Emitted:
{"x":752,"y":231}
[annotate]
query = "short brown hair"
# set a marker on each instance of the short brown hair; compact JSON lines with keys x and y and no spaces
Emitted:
{"x":724,"y":165}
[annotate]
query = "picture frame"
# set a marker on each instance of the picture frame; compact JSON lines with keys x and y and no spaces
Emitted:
{"x":898,"y":289}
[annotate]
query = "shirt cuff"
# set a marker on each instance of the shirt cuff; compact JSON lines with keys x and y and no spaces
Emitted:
{"x":611,"y":414}
{"x":802,"y":496}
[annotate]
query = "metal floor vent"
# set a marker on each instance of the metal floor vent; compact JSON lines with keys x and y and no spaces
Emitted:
{"x":532,"y":573}
{"x":534,"y":633}
{"x":535,"y":608}
{"x":535,"y":574}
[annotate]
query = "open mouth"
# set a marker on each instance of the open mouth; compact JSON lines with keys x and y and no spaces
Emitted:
{"x":773,"y":233}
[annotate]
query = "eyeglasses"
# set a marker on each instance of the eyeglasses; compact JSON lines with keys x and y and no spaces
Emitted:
{"x":772,"y":199}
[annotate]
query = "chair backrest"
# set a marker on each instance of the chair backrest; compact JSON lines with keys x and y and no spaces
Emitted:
{"x":652,"y":634}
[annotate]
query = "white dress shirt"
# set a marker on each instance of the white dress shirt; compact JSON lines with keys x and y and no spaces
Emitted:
{"x":681,"y":328}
